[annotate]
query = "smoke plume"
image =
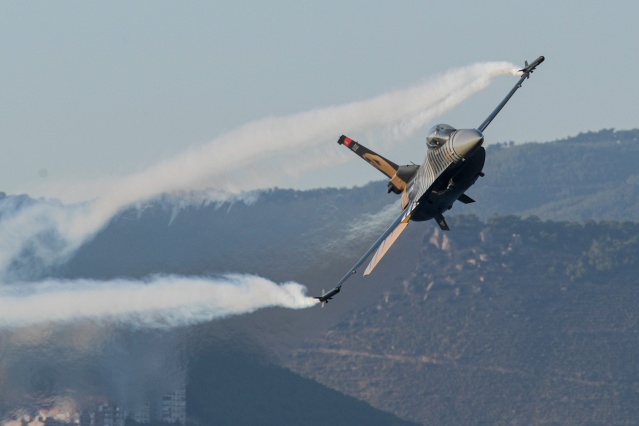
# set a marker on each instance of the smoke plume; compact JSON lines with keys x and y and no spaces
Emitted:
{"x":244,"y":159}
{"x":159,"y":302}
{"x":241,"y":160}
{"x":36,"y":235}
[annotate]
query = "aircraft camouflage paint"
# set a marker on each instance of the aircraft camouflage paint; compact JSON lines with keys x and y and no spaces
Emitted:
{"x":454,"y":161}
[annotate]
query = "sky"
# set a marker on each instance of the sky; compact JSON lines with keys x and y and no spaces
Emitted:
{"x":96,"y":90}
{"x":122,"y":99}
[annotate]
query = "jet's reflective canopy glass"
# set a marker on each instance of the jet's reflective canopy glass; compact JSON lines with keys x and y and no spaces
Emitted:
{"x":438,"y":135}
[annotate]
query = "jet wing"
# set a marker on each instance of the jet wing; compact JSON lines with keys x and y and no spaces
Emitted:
{"x":526,"y":71}
{"x":384,"y":246}
{"x":383,"y":243}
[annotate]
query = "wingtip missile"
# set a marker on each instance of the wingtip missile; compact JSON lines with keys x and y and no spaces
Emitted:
{"x":528,"y":69}
{"x":325,"y":297}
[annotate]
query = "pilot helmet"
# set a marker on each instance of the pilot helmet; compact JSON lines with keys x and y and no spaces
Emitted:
{"x":438,"y":135}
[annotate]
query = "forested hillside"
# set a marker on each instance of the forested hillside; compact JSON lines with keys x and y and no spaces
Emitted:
{"x":524,"y":313}
{"x":510,"y":321}
{"x":588,"y":176}
{"x":593,"y":176}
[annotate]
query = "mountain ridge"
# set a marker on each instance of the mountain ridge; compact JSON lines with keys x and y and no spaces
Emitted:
{"x":554,"y":228}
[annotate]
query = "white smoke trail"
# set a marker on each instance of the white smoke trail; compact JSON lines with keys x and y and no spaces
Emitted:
{"x":364,"y":228}
{"x":251,"y":156}
{"x":256,"y":155}
{"x":159,"y":302}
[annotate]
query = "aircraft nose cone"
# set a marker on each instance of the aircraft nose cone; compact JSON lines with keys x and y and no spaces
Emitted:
{"x":466,"y":141}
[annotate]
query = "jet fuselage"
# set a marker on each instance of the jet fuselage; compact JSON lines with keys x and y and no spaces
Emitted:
{"x":448,"y":171}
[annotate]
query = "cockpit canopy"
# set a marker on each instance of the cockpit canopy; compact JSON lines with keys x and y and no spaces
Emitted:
{"x":438,"y":135}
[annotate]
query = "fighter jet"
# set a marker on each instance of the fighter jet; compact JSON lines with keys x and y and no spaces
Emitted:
{"x":324,"y":298}
{"x":454,"y":161}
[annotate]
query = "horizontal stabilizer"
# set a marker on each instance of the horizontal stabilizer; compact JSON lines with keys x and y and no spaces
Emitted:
{"x":465,"y":199}
{"x":374,"y":159}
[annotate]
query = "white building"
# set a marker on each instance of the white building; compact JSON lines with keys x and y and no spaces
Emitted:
{"x":174,"y":406}
{"x":108,"y":415}
{"x":142,"y":413}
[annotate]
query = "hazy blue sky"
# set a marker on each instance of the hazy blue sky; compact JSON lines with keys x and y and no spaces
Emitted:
{"x":96,"y":89}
